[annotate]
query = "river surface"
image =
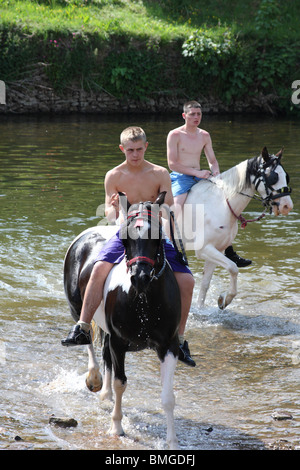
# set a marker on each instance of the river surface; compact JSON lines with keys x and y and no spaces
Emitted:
{"x":248,"y":357}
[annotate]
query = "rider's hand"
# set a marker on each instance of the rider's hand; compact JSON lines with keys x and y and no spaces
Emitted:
{"x":204,"y":174}
{"x":114,"y":201}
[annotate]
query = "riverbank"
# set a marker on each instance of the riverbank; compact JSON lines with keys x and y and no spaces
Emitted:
{"x":37,"y":95}
{"x":148,"y":56}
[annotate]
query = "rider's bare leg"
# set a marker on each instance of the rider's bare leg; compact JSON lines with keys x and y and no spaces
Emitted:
{"x":178,"y":203}
{"x":80,"y":333}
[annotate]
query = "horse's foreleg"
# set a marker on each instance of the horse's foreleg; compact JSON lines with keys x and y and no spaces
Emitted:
{"x":117,"y":415}
{"x":93,"y":379}
{"x":205,"y":282}
{"x":226,"y":298}
{"x":168,"y":366}
{"x":214,"y":256}
{"x":106,"y":391}
{"x":119,"y":384}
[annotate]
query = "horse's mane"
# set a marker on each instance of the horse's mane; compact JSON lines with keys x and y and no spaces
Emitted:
{"x":237,"y":178}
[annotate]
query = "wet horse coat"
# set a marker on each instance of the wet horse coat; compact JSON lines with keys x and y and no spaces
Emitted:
{"x":222,"y":200}
{"x":140,"y":308}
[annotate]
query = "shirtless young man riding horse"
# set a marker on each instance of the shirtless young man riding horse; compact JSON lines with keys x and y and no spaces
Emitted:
{"x":184,"y":148}
{"x":140,"y":180}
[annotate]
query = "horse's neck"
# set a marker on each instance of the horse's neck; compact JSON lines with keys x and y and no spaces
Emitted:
{"x":238,"y":203}
{"x":237,"y":192}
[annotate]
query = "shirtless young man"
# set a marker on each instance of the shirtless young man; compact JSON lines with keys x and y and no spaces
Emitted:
{"x":184,"y":147}
{"x":140,"y":180}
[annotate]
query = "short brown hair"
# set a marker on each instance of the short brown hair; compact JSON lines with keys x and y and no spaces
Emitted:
{"x":191,"y":104}
{"x":133,"y":133}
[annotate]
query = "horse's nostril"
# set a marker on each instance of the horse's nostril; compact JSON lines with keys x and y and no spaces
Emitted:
{"x":140,"y":282}
{"x":286,"y":209}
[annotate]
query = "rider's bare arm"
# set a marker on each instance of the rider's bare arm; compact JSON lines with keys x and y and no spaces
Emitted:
{"x":165,"y":185}
{"x":210,"y":156}
{"x":111,"y":196}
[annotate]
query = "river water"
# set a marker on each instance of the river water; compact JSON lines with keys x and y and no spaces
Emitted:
{"x":248,"y":357}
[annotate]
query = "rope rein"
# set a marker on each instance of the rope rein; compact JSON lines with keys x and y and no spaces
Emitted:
{"x":242,"y":219}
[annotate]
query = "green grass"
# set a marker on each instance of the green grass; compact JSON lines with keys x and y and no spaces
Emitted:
{"x":98,"y":18}
{"x":166,"y":20}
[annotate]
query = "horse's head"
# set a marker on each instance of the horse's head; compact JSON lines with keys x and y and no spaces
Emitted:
{"x":142,"y":235}
{"x":271,"y":181}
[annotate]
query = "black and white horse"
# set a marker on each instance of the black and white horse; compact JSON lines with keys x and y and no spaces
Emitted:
{"x":220,"y":202}
{"x":140,"y":309}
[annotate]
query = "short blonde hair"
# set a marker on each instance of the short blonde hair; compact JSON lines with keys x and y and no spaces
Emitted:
{"x":133,"y":133}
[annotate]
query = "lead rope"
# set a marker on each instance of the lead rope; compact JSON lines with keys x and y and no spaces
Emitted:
{"x":181,"y":255}
{"x":156,"y":276}
{"x":242,"y":219}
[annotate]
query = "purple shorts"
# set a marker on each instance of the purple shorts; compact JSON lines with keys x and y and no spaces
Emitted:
{"x":113,"y":252}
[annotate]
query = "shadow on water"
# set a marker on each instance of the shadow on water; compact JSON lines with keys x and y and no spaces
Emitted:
{"x":207,"y":436}
{"x":194,"y":434}
{"x":258,"y":325}
{"x":197,"y":435}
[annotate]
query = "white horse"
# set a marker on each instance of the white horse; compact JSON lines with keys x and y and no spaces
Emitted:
{"x":222,"y":200}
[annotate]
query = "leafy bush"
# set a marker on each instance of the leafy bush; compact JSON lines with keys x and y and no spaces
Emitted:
{"x":230,"y":67}
{"x":17,"y":52}
{"x":267,"y":19}
{"x":70,"y":58}
{"x":208,"y":47}
{"x":134,"y":73}
{"x":220,"y":60}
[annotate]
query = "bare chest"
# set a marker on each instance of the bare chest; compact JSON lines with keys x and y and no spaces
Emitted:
{"x":140,"y":187}
{"x":191,"y":144}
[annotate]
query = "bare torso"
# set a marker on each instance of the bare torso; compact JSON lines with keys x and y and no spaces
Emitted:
{"x":142,"y":185}
{"x":184,"y":148}
{"x":190,"y":146}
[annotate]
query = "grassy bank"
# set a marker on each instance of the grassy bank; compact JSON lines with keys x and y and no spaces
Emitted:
{"x":230,"y":50}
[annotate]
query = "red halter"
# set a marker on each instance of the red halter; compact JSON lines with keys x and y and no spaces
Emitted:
{"x":144,"y":259}
{"x":139,"y":222}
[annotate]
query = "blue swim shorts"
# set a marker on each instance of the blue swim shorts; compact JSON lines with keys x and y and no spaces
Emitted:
{"x":182,"y":183}
{"x":113,"y":252}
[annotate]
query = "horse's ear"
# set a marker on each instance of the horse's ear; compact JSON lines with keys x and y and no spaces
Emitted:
{"x":161,"y":198}
{"x":280,"y":153}
{"x":124,"y":204}
{"x":265,"y":154}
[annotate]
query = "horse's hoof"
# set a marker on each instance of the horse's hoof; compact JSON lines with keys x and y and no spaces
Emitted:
{"x":104,"y":395}
{"x":173,"y":445}
{"x":224,"y":300}
{"x":116,"y":432}
{"x":94,"y":385}
{"x":221,"y":302}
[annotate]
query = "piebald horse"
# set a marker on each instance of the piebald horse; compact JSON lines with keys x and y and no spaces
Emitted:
{"x":221,"y":201}
{"x":140,"y":309}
